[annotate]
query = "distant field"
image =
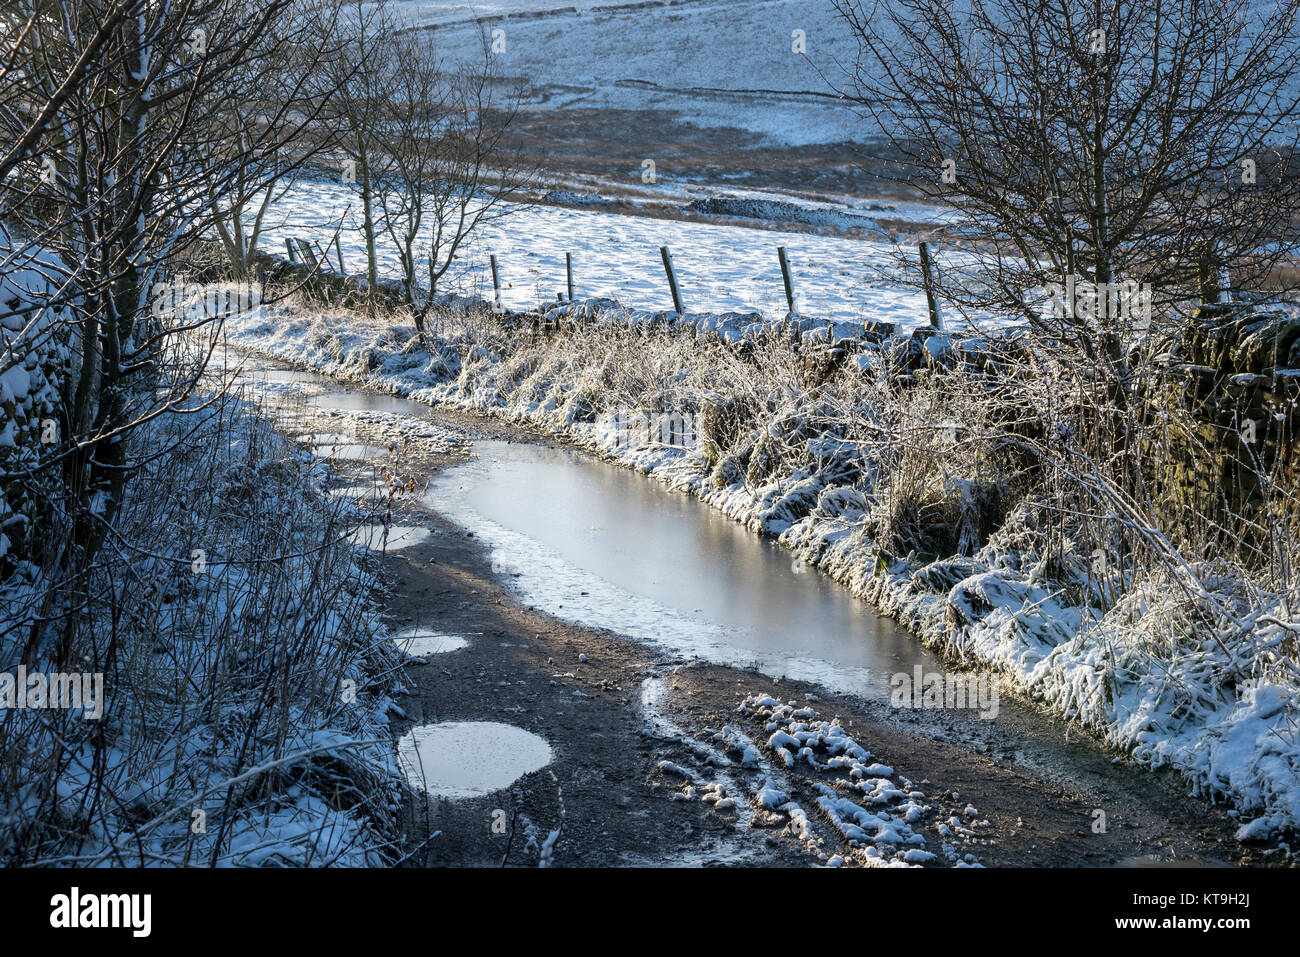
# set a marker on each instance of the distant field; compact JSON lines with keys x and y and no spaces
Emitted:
{"x":709,"y":89}
{"x":713,"y":63}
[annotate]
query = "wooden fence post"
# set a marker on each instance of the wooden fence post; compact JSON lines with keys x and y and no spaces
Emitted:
{"x":672,"y":280}
{"x":338,"y":247}
{"x":496,"y":282}
{"x":568,"y":269}
{"x":785,"y":276}
{"x":288,"y":247}
{"x":927,"y":277}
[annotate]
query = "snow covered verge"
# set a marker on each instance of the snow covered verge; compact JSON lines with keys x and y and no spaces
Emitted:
{"x":1181,"y":663}
{"x":245,"y":692}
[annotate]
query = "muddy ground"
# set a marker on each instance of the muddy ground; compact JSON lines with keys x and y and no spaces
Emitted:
{"x":625,"y":724}
{"x":612,"y":144}
{"x":607,"y":147}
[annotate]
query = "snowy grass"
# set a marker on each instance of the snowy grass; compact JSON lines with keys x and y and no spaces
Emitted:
{"x":246,"y":720}
{"x":941,"y":495}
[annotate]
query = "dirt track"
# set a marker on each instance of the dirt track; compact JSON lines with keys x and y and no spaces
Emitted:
{"x":613,"y":711}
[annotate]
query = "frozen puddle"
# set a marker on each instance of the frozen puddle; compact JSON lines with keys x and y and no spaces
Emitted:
{"x":424,"y":643}
{"x":323,"y":439}
{"x":352,"y":452}
{"x":607,"y":548}
{"x":466,"y":759}
{"x":364,"y":494}
{"x":335,"y":402}
{"x":389,"y":538}
{"x":276,"y":375}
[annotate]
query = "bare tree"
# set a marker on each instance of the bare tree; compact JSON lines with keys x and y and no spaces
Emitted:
{"x":1096,"y":139}
{"x":1097,"y":145}
{"x":451,"y":166}
{"x":267,"y":123}
{"x":137,"y":125}
{"x":106,"y":189}
{"x":360,"y":77}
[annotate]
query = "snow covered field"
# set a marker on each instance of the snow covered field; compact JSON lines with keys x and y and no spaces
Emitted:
{"x":433,"y":12}
{"x":720,"y":268}
{"x":714,"y":63}
{"x":719,"y":63}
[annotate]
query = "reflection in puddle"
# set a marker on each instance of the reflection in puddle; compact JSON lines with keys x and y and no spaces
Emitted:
{"x":607,"y":548}
{"x":365,"y":402}
{"x":423,"y":643}
{"x":390,"y":538}
{"x":257,"y":373}
{"x":465,"y":759}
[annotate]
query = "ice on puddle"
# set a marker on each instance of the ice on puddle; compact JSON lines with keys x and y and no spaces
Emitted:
{"x":420,"y":644}
{"x":390,"y":538}
{"x":466,"y":759}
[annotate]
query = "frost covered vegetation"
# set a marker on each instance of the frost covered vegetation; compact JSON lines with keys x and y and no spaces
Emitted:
{"x":158,"y":540}
{"x":953,"y":483}
{"x":227,"y":613}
